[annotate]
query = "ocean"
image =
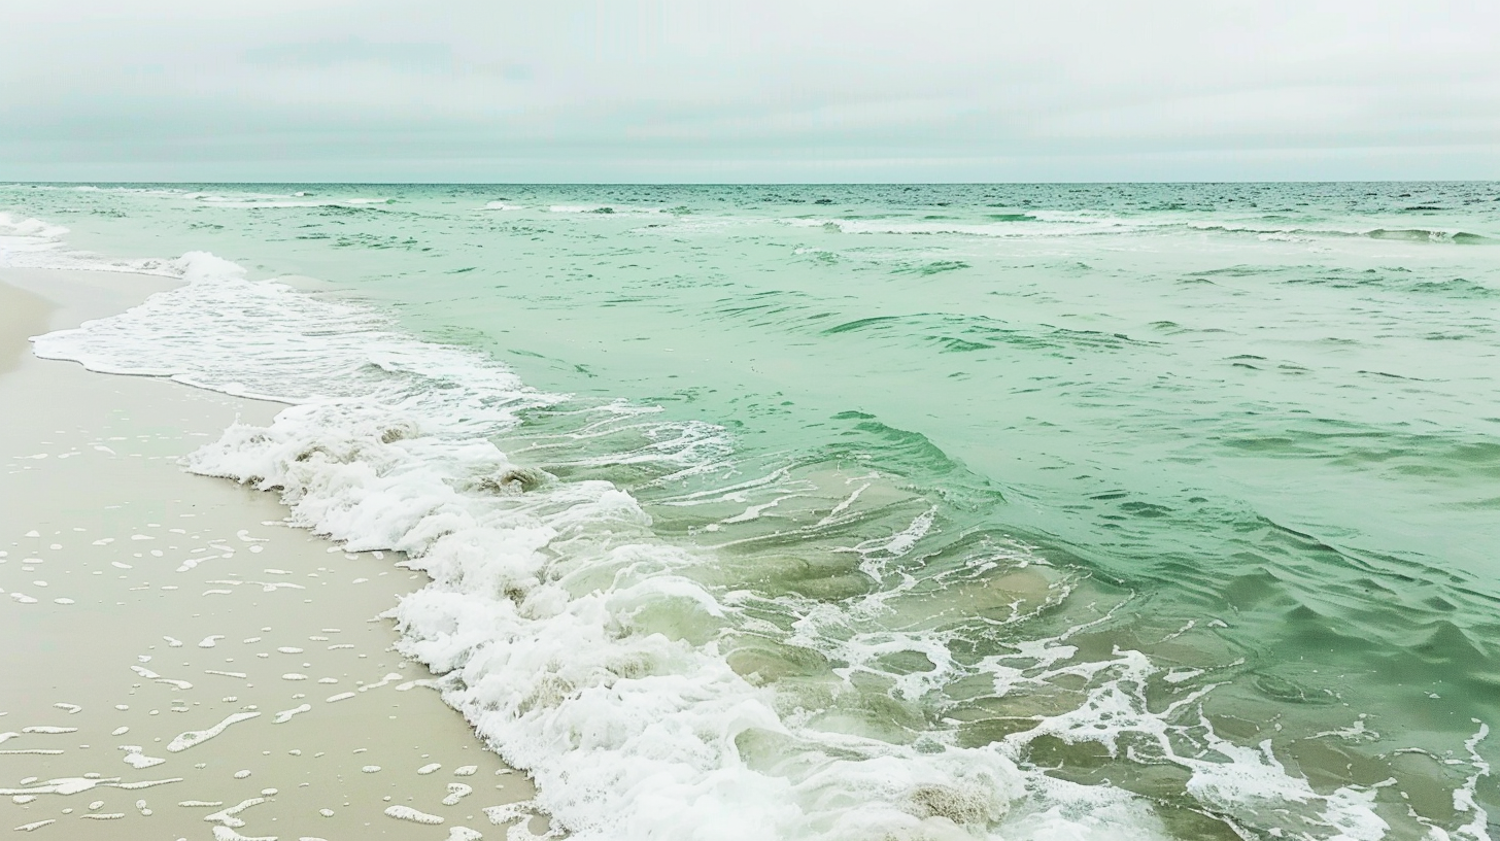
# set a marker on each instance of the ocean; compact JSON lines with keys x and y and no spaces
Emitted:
{"x":881,"y":511}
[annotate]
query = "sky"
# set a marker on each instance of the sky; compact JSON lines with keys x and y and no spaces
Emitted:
{"x":765,"y":91}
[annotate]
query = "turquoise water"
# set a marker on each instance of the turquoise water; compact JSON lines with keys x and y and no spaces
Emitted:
{"x":1185,"y":493}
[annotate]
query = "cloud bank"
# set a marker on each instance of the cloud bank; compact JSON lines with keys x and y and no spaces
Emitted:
{"x":816,"y":90}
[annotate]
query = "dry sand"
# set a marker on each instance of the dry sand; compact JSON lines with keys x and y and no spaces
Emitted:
{"x":171,"y":649}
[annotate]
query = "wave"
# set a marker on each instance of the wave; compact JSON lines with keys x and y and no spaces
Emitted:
{"x":608,"y":209}
{"x":573,"y":639}
{"x":20,"y":235}
{"x":670,"y":689}
{"x":284,"y":202}
{"x":1044,"y":224}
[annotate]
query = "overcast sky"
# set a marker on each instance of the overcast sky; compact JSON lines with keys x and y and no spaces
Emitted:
{"x":770,"y":90}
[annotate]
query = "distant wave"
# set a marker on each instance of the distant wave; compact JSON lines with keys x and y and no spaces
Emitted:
{"x":1059,"y":224}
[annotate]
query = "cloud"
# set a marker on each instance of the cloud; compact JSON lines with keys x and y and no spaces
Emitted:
{"x":767,"y":90}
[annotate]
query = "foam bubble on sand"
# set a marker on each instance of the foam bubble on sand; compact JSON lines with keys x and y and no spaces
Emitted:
{"x":407,"y":813}
{"x":49,"y":730}
{"x":230,"y":816}
{"x":70,"y":709}
{"x":390,"y":678}
{"x":29,"y":827}
{"x":463,"y":833}
{"x":429,"y":768}
{"x":370,"y":769}
{"x":210,"y":641}
{"x":183,"y":741}
{"x":286,"y":715}
{"x":465,"y":770}
{"x":136,"y":758}
{"x":457,"y":792}
{"x":342,"y":696}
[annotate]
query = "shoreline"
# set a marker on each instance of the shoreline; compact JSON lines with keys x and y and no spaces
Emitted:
{"x":174,"y":643}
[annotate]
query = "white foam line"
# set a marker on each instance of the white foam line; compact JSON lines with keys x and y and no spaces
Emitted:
{"x":389,"y":678}
{"x":78,"y":785}
{"x":228,"y":817}
{"x":183,"y":741}
{"x":241,"y":675}
{"x":843,"y":506}
{"x":145,"y":783}
{"x":286,"y":715}
{"x":407,"y":813}
{"x":753,"y":512}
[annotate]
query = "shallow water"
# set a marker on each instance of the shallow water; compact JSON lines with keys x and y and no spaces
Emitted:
{"x":884,"y":511}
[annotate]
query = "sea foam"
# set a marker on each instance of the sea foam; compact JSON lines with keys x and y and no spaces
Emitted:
{"x":544,"y":607}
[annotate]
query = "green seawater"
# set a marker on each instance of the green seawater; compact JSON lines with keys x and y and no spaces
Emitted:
{"x":1249,"y":431}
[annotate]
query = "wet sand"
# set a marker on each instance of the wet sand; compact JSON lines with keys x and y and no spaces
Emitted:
{"x":178,"y":662}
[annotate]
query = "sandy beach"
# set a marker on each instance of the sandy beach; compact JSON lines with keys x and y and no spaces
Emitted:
{"x":179,"y":663}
